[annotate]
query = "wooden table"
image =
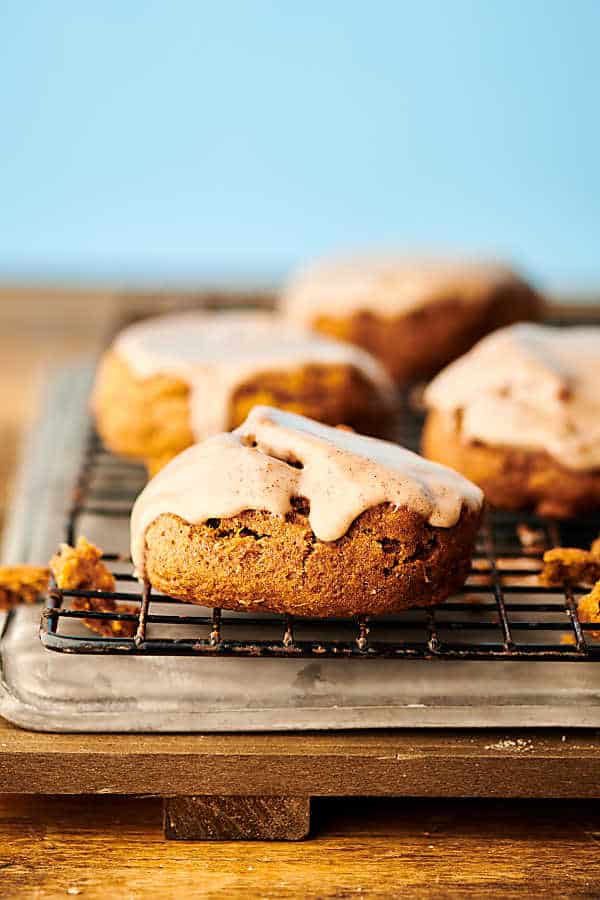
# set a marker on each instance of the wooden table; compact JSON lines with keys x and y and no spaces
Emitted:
{"x":111,"y":844}
{"x":113,"y":847}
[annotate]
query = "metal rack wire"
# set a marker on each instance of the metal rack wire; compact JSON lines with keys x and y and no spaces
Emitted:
{"x":502,"y":613}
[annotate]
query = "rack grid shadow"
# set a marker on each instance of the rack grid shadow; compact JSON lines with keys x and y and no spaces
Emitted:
{"x":502,"y":613}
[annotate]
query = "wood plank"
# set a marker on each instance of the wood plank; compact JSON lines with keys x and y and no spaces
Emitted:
{"x":393,"y":763}
{"x":236,"y":818}
{"x":114,"y":847}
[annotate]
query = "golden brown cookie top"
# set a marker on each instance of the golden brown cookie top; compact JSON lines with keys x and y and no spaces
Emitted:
{"x":275,"y":456}
{"x":388,"y":285}
{"x":529,"y":386}
{"x":216,"y":352}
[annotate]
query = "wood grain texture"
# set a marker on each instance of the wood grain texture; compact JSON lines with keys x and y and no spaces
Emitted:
{"x":108,"y":847}
{"x":390,"y":763}
{"x":236,"y":818}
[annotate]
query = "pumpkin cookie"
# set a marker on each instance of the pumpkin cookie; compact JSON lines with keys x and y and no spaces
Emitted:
{"x":174,"y":380}
{"x":290,"y":515}
{"x":415,"y":316}
{"x":520,"y":416}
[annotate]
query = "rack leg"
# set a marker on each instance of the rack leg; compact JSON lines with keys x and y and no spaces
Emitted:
{"x":210,"y":818}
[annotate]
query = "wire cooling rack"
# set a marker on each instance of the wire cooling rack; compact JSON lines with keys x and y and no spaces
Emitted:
{"x":502,"y":613}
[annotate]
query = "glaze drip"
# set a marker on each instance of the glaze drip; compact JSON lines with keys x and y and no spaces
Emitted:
{"x":275,"y":456}
{"x":531,"y":386}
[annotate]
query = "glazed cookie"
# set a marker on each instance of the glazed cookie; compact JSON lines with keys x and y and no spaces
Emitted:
{"x":174,"y":380}
{"x":520,"y":416}
{"x":290,"y":515}
{"x":414,"y":316}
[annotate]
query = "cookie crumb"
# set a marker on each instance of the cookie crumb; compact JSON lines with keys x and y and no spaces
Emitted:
{"x":588,"y":610}
{"x":22,"y":584}
{"x":569,"y":565}
{"x":518,"y":745}
{"x":81,"y":568}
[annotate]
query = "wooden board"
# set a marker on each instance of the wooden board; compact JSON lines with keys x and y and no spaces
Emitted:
{"x":222,"y":818}
{"x":389,"y":763}
{"x":249,"y":786}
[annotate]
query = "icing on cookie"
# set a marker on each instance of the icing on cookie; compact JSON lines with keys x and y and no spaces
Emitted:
{"x":388,"y":285}
{"x":531,"y":386}
{"x":216,"y":352}
{"x":275,"y":456}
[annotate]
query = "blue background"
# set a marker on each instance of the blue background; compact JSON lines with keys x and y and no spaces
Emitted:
{"x":185,"y":141}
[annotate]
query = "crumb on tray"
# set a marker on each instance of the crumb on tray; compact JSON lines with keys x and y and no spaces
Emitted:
{"x":81,"y":568}
{"x":107,"y":627}
{"x":570,"y":565}
{"x":21,"y":584}
{"x":588,"y":610}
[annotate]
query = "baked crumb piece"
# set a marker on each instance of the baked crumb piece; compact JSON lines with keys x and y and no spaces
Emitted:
{"x":588,"y":609}
{"x":570,"y":565}
{"x":21,"y":584}
{"x":107,"y":627}
{"x":81,"y":568}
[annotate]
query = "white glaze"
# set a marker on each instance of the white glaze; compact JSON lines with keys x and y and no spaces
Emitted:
{"x":216,"y":352}
{"x":343,"y":474}
{"x":531,"y":386}
{"x":389,"y":285}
